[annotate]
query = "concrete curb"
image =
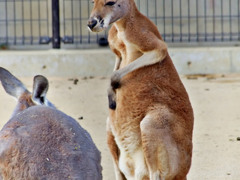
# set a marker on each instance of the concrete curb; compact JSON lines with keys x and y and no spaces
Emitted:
{"x":206,"y":60}
{"x":100,"y":62}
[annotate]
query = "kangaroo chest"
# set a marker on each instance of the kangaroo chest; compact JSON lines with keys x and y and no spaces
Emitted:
{"x":129,"y":51}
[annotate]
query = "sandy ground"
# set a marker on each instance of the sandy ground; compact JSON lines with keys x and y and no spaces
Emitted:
{"x":215,"y":100}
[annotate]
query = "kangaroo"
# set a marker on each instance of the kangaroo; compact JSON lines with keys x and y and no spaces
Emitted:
{"x":40,"y":142}
{"x":151,"y":119}
{"x":133,"y":49}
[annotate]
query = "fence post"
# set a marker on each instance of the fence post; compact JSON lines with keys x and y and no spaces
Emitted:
{"x":55,"y":25}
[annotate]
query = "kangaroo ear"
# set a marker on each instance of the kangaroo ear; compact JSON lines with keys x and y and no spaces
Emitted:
{"x":40,"y":88}
{"x":11,"y":84}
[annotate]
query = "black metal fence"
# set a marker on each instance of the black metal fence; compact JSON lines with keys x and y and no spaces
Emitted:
{"x":24,"y":22}
{"x":74,"y":18}
{"x":32,"y":22}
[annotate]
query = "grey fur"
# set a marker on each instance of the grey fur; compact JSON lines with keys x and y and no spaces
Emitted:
{"x":42,"y":143}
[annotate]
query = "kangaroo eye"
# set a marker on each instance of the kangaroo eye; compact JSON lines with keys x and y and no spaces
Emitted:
{"x":110,"y":3}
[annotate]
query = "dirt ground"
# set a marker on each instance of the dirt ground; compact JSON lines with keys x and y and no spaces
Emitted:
{"x":215,"y":100}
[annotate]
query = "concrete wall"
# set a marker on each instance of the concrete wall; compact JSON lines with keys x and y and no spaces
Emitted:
{"x":100,"y":62}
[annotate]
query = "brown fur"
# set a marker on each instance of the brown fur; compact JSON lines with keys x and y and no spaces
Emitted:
{"x":150,"y":128}
{"x":141,"y":94}
{"x":148,"y":40}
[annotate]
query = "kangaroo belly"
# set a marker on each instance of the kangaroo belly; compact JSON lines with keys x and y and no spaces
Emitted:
{"x":133,"y":164}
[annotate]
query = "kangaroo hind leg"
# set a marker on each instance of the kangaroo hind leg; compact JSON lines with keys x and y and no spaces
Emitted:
{"x":159,"y":148}
{"x":115,"y":152}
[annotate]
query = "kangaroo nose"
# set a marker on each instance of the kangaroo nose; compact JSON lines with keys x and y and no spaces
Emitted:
{"x":92,"y":23}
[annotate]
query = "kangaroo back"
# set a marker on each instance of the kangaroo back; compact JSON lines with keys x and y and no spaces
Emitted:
{"x":44,"y":143}
{"x":41,"y":142}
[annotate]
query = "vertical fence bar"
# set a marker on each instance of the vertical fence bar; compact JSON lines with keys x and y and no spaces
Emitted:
{"x":222,"y":30}
{"x":230,"y":19}
{"x":172,"y":13}
{"x":180,"y":14}
{"x":147,"y":8}
{"x":205,"y":19}
{"x":55,"y":25}
{"x":222,"y":20}
{"x":213,"y":20}
{"x":72,"y":19}
{"x":14,"y":18}
{"x":189,"y":26}
{"x":164,"y":21}
{"x":47,"y":18}
{"x":31,"y":22}
{"x":39,"y":19}
{"x":197,"y":21}
{"x":97,"y":38}
{"x":238,"y":20}
{"x":64,"y":17}
{"x":23,"y":24}
{"x":155,"y":19}
{"x":89,"y":39}
{"x":80,"y":23}
{"x":6,"y":21}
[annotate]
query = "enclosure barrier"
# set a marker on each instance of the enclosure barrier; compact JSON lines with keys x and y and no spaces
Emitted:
{"x":42,"y":22}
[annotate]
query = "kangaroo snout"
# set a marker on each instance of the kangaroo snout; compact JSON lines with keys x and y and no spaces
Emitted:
{"x":92,"y":23}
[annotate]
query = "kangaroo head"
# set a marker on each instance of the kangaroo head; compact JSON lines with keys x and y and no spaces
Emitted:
{"x":16,"y":88}
{"x":106,"y":12}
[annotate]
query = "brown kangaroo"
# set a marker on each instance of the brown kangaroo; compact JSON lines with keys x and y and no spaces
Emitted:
{"x":150,"y":120}
{"x":40,"y":142}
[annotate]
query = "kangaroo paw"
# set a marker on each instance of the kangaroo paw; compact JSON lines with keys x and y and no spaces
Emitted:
{"x":115,"y":80}
{"x":112,"y":103}
{"x":111,"y":99}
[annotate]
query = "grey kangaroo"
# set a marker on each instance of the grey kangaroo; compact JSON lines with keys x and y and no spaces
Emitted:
{"x":40,"y":142}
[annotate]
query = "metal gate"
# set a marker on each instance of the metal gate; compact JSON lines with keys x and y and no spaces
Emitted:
{"x":23,"y":21}
{"x":56,"y":22}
